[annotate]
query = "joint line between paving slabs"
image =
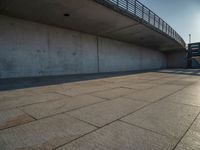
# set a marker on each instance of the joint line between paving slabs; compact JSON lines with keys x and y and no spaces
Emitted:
{"x":186,"y":131}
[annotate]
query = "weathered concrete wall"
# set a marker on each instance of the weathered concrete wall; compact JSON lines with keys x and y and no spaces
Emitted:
{"x":120,"y":56}
{"x":177,"y":59}
{"x":33,"y":49}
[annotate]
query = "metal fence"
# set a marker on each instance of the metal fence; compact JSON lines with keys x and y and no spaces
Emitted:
{"x":137,"y":9}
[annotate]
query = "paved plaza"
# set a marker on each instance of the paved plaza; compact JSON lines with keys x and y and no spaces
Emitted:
{"x":155,"y":110}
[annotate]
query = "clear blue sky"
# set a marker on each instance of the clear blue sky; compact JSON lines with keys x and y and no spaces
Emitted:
{"x":182,"y":15}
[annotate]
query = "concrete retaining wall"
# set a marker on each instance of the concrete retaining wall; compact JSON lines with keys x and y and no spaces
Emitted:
{"x":33,"y":49}
{"x":120,"y":56}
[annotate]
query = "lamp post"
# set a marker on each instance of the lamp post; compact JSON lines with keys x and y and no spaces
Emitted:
{"x":189,"y":53}
{"x":190,"y":38}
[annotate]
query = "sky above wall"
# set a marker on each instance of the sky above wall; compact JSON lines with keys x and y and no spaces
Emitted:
{"x":182,"y":15}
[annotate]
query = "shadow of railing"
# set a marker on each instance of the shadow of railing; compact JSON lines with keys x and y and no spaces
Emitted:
{"x":192,"y":72}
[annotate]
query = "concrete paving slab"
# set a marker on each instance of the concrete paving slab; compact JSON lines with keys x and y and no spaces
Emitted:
{"x":181,"y":76}
{"x":184,"y":98}
{"x":192,"y":90}
{"x":150,"y":76}
{"x":13,"y":102}
{"x":184,"y":147}
{"x":155,"y":93}
{"x":106,"y":112}
{"x":192,"y":79}
{"x":139,"y":86}
{"x":127,"y":79}
{"x":45,"y":109}
{"x":121,"y":136}
{"x":43,"y":134}
{"x":15,"y":93}
{"x":145,"y":77}
{"x":191,"y":141}
{"x":162,"y":81}
{"x":97,"y":82}
{"x":117,"y":79}
{"x":113,"y":93}
{"x":166,"y":118}
{"x":14,"y":117}
{"x":87,"y":83}
{"x":196,"y":125}
{"x":124,"y":83}
{"x":182,"y":82}
{"x":75,"y":91}
{"x":47,"y":89}
{"x":140,"y":76}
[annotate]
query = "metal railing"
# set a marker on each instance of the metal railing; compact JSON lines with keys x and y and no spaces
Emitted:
{"x":144,"y":14}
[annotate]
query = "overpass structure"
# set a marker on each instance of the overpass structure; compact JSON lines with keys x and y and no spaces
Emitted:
{"x":42,"y":37}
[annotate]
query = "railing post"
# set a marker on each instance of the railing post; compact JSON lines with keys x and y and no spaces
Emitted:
{"x":135,"y":7}
{"x":127,"y":4}
{"x":171,"y":31}
{"x":149,"y":16}
{"x":117,"y":2}
{"x":142,"y":12}
{"x":166,"y":28}
{"x":154,"y":18}
{"x":175,"y":36}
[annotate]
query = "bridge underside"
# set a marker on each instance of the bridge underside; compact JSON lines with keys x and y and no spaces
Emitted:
{"x":90,"y":17}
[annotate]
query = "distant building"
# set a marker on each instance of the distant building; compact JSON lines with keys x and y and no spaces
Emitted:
{"x":194,"y":55}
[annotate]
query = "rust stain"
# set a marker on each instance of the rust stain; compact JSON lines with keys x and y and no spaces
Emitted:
{"x":21,"y":119}
{"x":47,"y":145}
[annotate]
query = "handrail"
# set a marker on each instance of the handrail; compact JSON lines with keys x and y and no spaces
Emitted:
{"x":137,"y":9}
